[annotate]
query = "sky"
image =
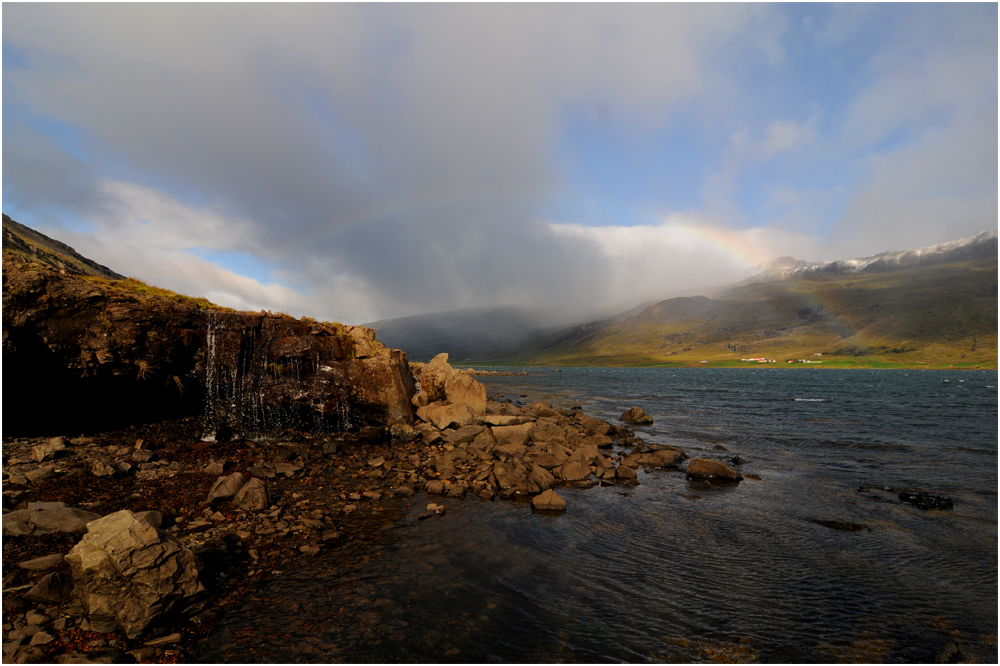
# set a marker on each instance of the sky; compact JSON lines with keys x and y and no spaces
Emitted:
{"x":362,"y":162}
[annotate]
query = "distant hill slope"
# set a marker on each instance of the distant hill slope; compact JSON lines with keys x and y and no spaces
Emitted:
{"x":39,"y":248}
{"x":944,"y":313}
{"x":474,"y":334}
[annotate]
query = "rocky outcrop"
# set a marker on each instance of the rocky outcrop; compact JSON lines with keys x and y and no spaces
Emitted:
{"x":440,"y":382}
{"x":635,"y":416}
{"x":266,"y":373}
{"x":115,"y":352}
{"x":128,"y":573}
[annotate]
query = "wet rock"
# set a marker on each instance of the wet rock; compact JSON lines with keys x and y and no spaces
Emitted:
{"x":254,"y":496}
{"x":226,"y":487}
{"x":625,"y":474}
{"x":925,"y":501}
{"x":548,"y":501}
{"x":435,"y":508}
{"x":572,"y":470}
{"x":128,"y":573}
{"x":331,"y":448}
{"x":703,"y":468}
{"x":666,"y":457}
{"x":541,"y":409}
{"x":435,"y":487}
{"x":948,"y":653}
{"x":403,"y":491}
{"x":635,"y":416}
{"x":539,"y":479}
{"x":310,"y":551}
{"x":42,"y":563}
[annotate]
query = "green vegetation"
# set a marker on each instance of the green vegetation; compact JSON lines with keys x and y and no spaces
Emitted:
{"x":134,"y":286}
{"x":940,"y":316}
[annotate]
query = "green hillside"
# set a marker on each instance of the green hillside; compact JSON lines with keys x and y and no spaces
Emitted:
{"x":930,"y":316}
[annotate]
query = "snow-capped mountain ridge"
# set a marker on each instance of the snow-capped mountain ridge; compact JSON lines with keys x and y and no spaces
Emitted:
{"x":978,"y":246}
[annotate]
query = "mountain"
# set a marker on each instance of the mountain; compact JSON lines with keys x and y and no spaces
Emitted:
{"x":479,"y":334}
{"x":971,"y":248}
{"x":934,"y":305}
{"x":39,"y":248}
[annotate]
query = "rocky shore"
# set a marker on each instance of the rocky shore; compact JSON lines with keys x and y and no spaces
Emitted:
{"x":202,"y":522}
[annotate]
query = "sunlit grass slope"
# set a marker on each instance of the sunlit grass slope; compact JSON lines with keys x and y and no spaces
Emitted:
{"x":934,"y":316}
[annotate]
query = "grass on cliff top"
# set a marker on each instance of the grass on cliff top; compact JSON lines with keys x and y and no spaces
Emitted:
{"x":134,"y":286}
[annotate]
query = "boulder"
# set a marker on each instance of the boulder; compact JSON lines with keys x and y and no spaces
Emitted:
{"x":128,"y":573}
{"x":151,"y":518}
{"x":42,"y":563}
{"x":443,"y":383}
{"x":548,"y":501}
{"x":226,"y":487}
{"x":541,"y":409}
{"x":547,"y":432}
{"x":50,"y":450}
{"x":513,"y":434}
{"x":539,"y":479}
{"x":254,"y":496}
{"x":635,"y":416}
{"x":46,"y":518}
{"x":665,"y":457}
{"x":625,"y":474}
{"x":573,"y":470}
{"x":703,"y":468}
{"x":54,"y":588}
{"x":443,"y":415}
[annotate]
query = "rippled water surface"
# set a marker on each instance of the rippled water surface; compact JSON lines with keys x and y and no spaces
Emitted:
{"x":670,"y":572}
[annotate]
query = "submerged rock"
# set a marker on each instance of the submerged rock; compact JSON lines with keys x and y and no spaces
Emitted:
{"x":927,"y":501}
{"x":703,"y":468}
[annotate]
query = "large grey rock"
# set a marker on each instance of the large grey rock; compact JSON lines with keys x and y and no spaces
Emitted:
{"x":127,"y":573}
{"x":46,"y":518}
{"x":254,"y":496}
{"x":226,"y":487}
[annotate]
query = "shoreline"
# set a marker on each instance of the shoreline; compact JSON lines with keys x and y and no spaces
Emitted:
{"x":331,"y":495}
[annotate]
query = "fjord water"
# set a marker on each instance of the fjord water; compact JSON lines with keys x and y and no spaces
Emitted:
{"x":668,"y":571}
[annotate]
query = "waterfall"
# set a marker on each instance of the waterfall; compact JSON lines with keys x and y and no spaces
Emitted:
{"x":265,"y":375}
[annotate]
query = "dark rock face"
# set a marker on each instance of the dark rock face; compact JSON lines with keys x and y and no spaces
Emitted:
{"x":100,"y":354}
{"x":109,"y":353}
{"x":265,"y":373}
